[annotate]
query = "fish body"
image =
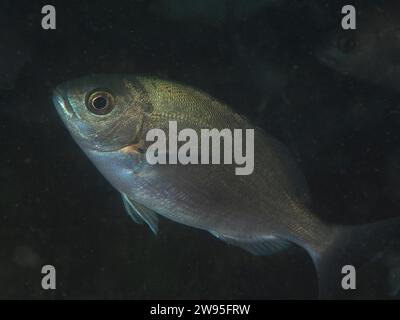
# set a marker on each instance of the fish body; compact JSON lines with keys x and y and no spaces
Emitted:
{"x":262,"y":212}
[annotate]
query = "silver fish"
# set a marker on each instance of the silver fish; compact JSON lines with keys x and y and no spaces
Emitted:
{"x":264,"y":212}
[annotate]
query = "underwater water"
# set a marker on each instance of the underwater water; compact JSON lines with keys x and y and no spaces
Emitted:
{"x":330,"y":95}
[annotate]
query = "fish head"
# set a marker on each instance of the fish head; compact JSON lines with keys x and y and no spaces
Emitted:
{"x":102,"y":112}
{"x":349,"y":52}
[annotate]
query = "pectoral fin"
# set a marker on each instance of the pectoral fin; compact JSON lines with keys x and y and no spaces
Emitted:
{"x":140,"y":214}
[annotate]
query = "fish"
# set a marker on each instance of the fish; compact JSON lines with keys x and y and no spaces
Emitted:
{"x":369,"y":53}
{"x":109,"y":116}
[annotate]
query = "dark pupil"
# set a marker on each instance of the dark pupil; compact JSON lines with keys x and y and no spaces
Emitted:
{"x":99,"y":102}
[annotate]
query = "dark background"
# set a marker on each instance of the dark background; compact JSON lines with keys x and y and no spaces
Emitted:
{"x":55,"y":208}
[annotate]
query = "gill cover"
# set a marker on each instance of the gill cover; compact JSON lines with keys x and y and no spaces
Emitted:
{"x":103,"y":112}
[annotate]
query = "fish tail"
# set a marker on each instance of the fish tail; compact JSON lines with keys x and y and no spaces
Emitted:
{"x":350,"y":248}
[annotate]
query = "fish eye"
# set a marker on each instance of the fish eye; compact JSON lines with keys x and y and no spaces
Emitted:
{"x":100,"y":102}
{"x":347,"y":44}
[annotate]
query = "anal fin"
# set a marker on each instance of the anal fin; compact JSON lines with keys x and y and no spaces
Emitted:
{"x":265,"y":245}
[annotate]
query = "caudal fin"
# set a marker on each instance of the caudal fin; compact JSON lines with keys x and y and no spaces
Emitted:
{"x":351,"y":247}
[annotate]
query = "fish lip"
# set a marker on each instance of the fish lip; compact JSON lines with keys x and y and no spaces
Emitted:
{"x":61,"y":104}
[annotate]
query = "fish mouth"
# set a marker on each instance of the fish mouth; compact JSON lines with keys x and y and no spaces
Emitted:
{"x":63,"y":107}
